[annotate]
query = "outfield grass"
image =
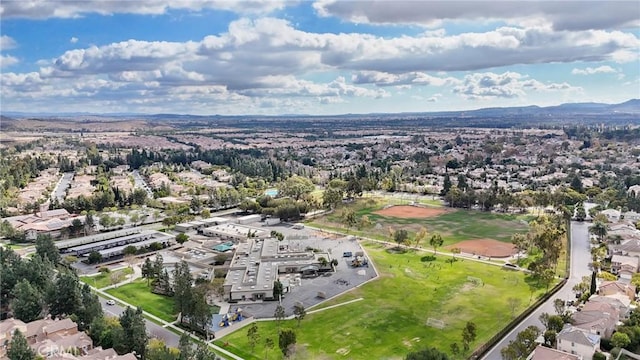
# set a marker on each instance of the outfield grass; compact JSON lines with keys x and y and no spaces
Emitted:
{"x":103,"y":280}
{"x":390,"y":321}
{"x":454,"y":226}
{"x":139,"y":294}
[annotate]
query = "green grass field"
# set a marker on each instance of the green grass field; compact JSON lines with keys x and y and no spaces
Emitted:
{"x":456,"y":225}
{"x":391,"y":320}
{"x":139,"y":294}
{"x":103,"y":280}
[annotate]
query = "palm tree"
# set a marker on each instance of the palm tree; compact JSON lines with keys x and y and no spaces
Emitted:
{"x":599,"y":229}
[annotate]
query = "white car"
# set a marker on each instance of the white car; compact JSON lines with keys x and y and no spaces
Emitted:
{"x":111,"y":302}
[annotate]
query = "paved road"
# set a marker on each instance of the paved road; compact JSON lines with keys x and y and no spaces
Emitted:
{"x":154,"y":330}
{"x":580,"y":258}
{"x":60,"y":191}
{"x":139,"y":183}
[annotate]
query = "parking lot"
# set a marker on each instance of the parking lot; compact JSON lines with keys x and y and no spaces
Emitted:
{"x":344,"y":278}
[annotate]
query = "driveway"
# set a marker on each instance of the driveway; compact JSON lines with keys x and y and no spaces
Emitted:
{"x":580,"y":258}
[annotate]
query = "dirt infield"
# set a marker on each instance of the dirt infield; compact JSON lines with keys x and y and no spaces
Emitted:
{"x":410,"y":212}
{"x":485,"y":247}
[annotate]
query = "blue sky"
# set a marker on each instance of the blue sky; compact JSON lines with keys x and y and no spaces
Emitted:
{"x":314,"y":57}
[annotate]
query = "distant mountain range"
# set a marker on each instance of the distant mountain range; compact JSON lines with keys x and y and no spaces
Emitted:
{"x":631,"y":107}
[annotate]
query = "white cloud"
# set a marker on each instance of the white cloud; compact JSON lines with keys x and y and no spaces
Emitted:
{"x":42,"y":9}
{"x":73,"y":40}
{"x":7,"y":60}
{"x":590,"y":71}
{"x":563,"y":15}
{"x":6,"y":43}
{"x":412,"y":78}
{"x":261,"y":63}
{"x":505,"y":85}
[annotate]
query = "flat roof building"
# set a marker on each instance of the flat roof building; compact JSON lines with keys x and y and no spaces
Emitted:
{"x":257,"y":263}
{"x":234,"y":232}
{"x":148,"y":237}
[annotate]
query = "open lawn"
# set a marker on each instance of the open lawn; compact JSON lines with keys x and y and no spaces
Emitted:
{"x":103,"y":280}
{"x":391,"y":320}
{"x":139,"y":294}
{"x":454,"y":225}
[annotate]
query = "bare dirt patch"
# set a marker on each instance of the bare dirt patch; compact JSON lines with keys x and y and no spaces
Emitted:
{"x":485,"y":247}
{"x":410,"y":212}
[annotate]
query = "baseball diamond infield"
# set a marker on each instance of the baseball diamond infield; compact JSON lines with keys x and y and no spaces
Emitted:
{"x":410,"y":212}
{"x":485,"y":247}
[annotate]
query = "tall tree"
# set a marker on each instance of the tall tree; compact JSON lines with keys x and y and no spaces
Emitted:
{"x":436,"y":241}
{"x":19,"y":348}
{"x":90,"y":309}
{"x":158,"y":266}
{"x":286,"y":339}
{"x":420,"y":236}
{"x":47,"y":249}
{"x":522,"y":346}
{"x":521,"y":243}
{"x":147,"y":270}
{"x":185,"y":347}
{"x":400,"y":236}
{"x":593,"y":287}
{"x":279,"y":315}
{"x":268,"y":345}
{"x":296,"y":187}
{"x":182,"y":287}
{"x":468,"y":334}
{"x":198,"y":311}
{"x":300,"y":312}
{"x":253,"y":336}
{"x":599,"y":229}
{"x":28,"y":302}
{"x":332,"y":197}
{"x":277,"y":290}
{"x":133,"y":336}
{"x":203,"y":352}
{"x":65,"y":297}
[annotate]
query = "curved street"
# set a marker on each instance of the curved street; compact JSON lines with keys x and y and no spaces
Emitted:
{"x":580,"y":258}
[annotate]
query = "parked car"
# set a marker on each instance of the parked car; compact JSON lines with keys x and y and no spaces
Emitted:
{"x":347,"y":254}
{"x":111,"y":302}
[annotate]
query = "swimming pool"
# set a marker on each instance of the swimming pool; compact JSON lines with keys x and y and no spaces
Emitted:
{"x":271,"y":192}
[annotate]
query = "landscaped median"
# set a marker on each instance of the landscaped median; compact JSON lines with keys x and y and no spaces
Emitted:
{"x":392,"y":318}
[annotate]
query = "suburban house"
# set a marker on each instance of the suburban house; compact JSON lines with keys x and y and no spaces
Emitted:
{"x":545,"y":353}
{"x":617,"y":288}
{"x":44,"y":222}
{"x":629,"y":247}
{"x":631,"y":216}
{"x":624,"y":266}
{"x":597,"y":318}
{"x":612,"y":215}
{"x":575,"y":341}
{"x":619,"y":301}
{"x":56,"y":339}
